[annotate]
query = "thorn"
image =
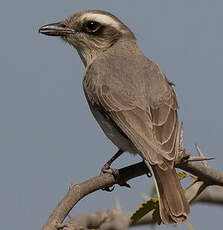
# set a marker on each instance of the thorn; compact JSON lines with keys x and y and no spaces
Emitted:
{"x":188,"y":225}
{"x":203,"y":159}
{"x":108,"y":189}
{"x":199,"y":150}
{"x":181,"y":138}
{"x":117,"y":204}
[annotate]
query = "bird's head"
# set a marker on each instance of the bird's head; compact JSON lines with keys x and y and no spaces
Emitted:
{"x":90,"y":32}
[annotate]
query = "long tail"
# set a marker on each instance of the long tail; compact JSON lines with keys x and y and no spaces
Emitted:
{"x":174,"y":207}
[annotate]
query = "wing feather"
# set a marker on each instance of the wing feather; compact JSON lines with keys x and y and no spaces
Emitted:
{"x":144,"y":107}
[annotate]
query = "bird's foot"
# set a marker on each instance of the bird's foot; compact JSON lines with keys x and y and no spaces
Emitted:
{"x":185,"y":157}
{"x":107,"y":169}
{"x":114,"y":172}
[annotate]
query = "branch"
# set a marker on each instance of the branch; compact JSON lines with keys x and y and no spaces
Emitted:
{"x":205,"y":176}
{"x":78,"y":191}
{"x":212,"y":196}
{"x":106,"y":220}
{"x":118,"y":219}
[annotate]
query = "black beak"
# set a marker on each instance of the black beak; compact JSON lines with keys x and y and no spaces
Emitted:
{"x":56,"y":29}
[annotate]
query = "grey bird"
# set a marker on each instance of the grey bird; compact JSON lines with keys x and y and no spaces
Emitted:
{"x":130,"y":97}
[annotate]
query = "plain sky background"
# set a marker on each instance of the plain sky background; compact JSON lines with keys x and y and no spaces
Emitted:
{"x":49,"y":139}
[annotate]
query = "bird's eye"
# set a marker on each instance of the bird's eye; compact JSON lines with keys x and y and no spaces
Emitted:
{"x":92,"y":26}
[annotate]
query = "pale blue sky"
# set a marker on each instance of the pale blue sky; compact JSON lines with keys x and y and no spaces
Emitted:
{"x":49,"y":139}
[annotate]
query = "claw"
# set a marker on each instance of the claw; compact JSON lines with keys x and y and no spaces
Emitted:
{"x":125,"y":185}
{"x":108,"y":189}
{"x":114,"y":172}
{"x":105,"y":167}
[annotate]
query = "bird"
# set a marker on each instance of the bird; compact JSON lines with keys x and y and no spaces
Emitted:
{"x":130,"y":98}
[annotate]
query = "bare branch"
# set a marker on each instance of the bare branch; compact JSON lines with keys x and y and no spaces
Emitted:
{"x":105,"y":220}
{"x":78,"y":191}
{"x":211,"y":196}
{"x":194,"y":190}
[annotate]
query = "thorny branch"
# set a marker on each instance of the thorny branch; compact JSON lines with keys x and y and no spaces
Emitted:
{"x":205,"y":175}
{"x":118,"y":219}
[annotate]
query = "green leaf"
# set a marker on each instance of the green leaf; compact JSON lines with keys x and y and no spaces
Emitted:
{"x":152,"y":204}
{"x":156,"y":216}
{"x":181,"y":175}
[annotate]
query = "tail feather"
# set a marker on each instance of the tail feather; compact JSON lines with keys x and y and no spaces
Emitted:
{"x":174,"y":207}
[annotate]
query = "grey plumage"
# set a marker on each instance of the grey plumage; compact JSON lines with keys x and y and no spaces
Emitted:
{"x":130,"y":98}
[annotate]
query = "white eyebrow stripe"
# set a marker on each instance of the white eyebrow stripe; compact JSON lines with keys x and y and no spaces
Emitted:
{"x":104,"y":19}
